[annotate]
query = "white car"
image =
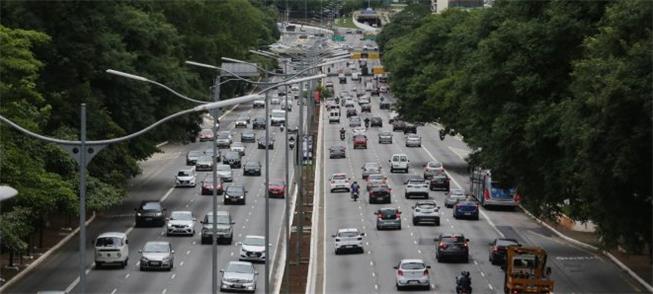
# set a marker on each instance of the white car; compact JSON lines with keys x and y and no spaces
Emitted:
{"x":252,"y":248}
{"x":238,"y":147}
{"x":181,"y":223}
{"x":238,"y":276}
{"x":259,"y":104}
{"x":224,"y":172}
{"x":416,"y":186}
{"x":383,"y":89}
{"x":426,"y":211}
{"x":361,"y":130}
{"x":413,"y":140}
{"x":399,"y":161}
{"x":349,"y":239}
{"x":241,"y":122}
{"x":349,"y":103}
{"x":275,"y":101}
{"x":111,"y":248}
{"x":186,"y":177}
{"x":412,"y":273}
{"x":339,"y":181}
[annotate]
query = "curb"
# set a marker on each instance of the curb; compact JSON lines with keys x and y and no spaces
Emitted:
{"x":42,"y":258}
{"x":161,"y":144}
{"x":311,"y":277}
{"x":616,"y":261}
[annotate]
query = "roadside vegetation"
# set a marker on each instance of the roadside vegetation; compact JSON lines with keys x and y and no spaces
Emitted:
{"x":53,"y":56}
{"x":554,"y":96}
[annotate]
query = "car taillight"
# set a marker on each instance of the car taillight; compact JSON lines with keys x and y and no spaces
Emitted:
{"x":486,"y":194}
{"x":398,"y":215}
{"x":443,"y":245}
{"x":517,"y":197}
{"x":426,"y":272}
{"x":466,"y":244}
{"x":495,"y":249}
{"x":400,"y":272}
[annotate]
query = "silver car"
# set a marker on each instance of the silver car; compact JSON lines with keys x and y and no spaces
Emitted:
{"x":181,"y":223}
{"x":413,"y":140}
{"x":412,"y":273}
{"x":238,"y":276}
{"x":385,"y":138}
{"x":453,"y":196}
{"x":204,"y":163}
{"x":388,"y":218}
{"x":252,"y":249}
{"x":224,"y":172}
{"x":238,"y":147}
{"x":157,"y":255}
{"x":426,"y":211}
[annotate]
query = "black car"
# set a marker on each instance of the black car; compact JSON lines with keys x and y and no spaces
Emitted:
{"x":235,"y":194}
{"x":398,"y":125}
{"x":498,"y":249}
{"x":232,"y":158}
{"x":366,"y":108}
{"x":337,"y":151}
{"x":247,"y":137}
{"x":439,"y":182}
{"x":452,"y":246}
{"x":384,"y":105}
{"x":351,"y":112}
{"x":410,"y":129}
{"x":258,"y":123}
{"x":379,"y":194}
{"x":150,"y":213}
{"x":261,"y":143}
{"x":376,"y":121}
{"x":252,"y":168}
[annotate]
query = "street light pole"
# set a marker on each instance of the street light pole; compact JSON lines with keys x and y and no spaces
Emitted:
{"x":267,"y":189}
{"x":82,"y":202}
{"x":300,"y":166}
{"x":287,"y":189}
{"x":214,"y":240}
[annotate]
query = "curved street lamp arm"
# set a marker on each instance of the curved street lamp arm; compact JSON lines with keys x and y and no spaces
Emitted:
{"x":182,"y":96}
{"x":37,"y":136}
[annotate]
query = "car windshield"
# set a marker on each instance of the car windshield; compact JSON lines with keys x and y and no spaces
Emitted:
{"x":247,"y":135}
{"x":232,"y":155}
{"x":359,"y":138}
{"x":156,"y":247}
{"x":205,"y":159}
{"x":223,"y":135}
{"x":206,"y":132}
{"x":385,"y":134}
{"x":183,"y":173}
{"x":348,"y":234}
{"x":434,"y":164}
{"x":426,"y":205}
{"x":254,"y":241}
{"x":371,"y":165}
{"x":239,"y":268}
{"x":181,"y":215}
{"x":195,"y":153}
{"x":276,"y":183}
{"x":375,"y":177}
{"x":151,"y":206}
{"x":453,"y":239}
{"x":413,"y":266}
{"x":339,"y":177}
{"x":222,"y":219}
{"x":235,"y":190}
{"x":223,"y":167}
{"x":251,"y":165}
{"x":278,"y":114}
{"x":236,"y":144}
{"x":388,"y":213}
{"x":506,"y":242}
{"x":108,"y":242}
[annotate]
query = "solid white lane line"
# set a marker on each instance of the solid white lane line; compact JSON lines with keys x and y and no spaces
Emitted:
{"x":173,"y":276}
{"x":194,"y":242}
{"x":490,"y":286}
{"x":373,"y":274}
{"x":167,"y":194}
{"x":232,"y":253}
{"x":127,"y":276}
{"x":188,"y":252}
{"x":419,"y":251}
{"x":482,"y":274}
{"x":475,"y":262}
{"x":114,"y":291}
{"x":164,"y":291}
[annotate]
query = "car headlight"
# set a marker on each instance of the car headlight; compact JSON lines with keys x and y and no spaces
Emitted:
{"x":138,"y":214}
{"x":169,"y":225}
{"x":158,"y":214}
{"x":144,"y":259}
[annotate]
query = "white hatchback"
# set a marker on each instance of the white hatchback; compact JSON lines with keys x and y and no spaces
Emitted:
{"x":111,"y":248}
{"x":349,"y":239}
{"x":339,"y":181}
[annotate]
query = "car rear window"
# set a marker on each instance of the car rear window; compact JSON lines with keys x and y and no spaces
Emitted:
{"x":453,"y":239}
{"x":339,"y":177}
{"x":388,"y":214}
{"x":348,"y":234}
{"x":413,"y":266}
{"x":151,"y":206}
{"x":108,"y":242}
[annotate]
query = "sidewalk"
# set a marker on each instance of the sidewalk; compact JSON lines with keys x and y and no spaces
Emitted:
{"x":640,"y":264}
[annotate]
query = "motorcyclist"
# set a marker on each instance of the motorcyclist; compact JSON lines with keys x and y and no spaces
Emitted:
{"x":464,"y":283}
{"x":367,"y":122}
{"x":342,"y":133}
{"x":281,"y":128}
{"x":354,"y":190}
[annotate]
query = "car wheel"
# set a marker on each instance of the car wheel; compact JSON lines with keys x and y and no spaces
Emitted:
{"x":230,"y":240}
{"x":124,"y":263}
{"x":467,"y":259}
{"x":98,"y":264}
{"x":378,"y":227}
{"x":437,"y":223}
{"x":142,"y":268}
{"x":337,"y":251}
{"x":399,"y":228}
{"x":414,"y":222}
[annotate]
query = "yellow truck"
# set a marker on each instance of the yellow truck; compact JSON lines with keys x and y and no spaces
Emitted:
{"x":526,"y":271}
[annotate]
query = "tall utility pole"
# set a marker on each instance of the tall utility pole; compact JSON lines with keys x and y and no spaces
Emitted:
{"x":300,"y":167}
{"x":214,"y":240}
{"x":287,"y":189}
{"x":267,"y":188}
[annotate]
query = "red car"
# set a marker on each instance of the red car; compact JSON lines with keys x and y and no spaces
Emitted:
{"x":360,"y":141}
{"x":277,"y":189}
{"x":207,"y":186}
{"x":206,"y":135}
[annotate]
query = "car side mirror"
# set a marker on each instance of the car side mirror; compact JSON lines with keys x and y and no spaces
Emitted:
{"x":333,"y":236}
{"x":222,"y":270}
{"x":362,"y":234}
{"x":194,"y":219}
{"x":256,"y":273}
{"x":428,"y":266}
{"x":233,"y":223}
{"x":490,"y":243}
{"x":239,"y":243}
{"x":466,"y":240}
{"x":167,"y":218}
{"x":126,"y":241}
{"x":395,"y":267}
{"x":135,"y":209}
{"x":165,"y":209}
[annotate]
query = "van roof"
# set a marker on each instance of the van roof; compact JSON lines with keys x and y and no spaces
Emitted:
{"x":112,"y":235}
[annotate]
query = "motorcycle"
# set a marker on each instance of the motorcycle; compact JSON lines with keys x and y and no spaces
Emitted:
{"x":281,"y":128}
{"x":342,"y":136}
{"x":367,"y":123}
{"x":354,"y":195}
{"x":291,"y":142}
{"x":464,"y":284}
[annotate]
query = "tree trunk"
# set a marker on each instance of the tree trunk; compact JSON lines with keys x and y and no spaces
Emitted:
{"x":11,"y":257}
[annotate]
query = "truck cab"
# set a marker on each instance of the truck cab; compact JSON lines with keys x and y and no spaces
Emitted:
{"x":526,"y":271}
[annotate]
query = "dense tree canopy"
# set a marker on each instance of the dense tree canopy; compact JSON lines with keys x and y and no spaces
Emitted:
{"x":53,"y":57}
{"x":555,"y":96}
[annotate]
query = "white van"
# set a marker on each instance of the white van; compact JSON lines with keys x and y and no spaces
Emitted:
{"x":334,"y":116}
{"x":278,"y":117}
{"x":399,"y":161}
{"x":111,"y":248}
{"x":355,"y":76}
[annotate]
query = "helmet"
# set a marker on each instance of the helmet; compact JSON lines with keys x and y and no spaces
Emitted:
{"x":465,"y":273}
{"x":355,"y":182}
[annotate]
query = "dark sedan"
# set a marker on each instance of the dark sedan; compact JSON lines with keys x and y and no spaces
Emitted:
{"x":465,"y":209}
{"x":351,"y":112}
{"x":410,"y":129}
{"x":452,"y":246}
{"x":376,"y":121}
{"x":379,"y":194}
{"x":258,"y":123}
{"x":498,"y":249}
{"x":235,"y":194}
{"x":150,"y":213}
{"x":439,"y":182}
{"x":337,"y":151}
{"x":252,"y":168}
{"x":398,"y":125}
{"x":366,"y":108}
{"x":262,"y":140}
{"x":247,"y":137}
{"x":232,"y":158}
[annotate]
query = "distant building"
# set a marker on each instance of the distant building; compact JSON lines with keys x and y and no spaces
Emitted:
{"x":438,"y":6}
{"x":369,"y":17}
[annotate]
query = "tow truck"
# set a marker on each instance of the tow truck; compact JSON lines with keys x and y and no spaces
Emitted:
{"x":526,"y":271}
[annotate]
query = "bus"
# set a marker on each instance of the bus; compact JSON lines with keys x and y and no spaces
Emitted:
{"x":491,"y":192}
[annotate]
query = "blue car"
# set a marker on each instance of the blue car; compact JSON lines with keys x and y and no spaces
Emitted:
{"x":465,"y":209}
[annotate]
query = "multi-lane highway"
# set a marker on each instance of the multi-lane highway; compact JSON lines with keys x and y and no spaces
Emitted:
{"x":575,"y":270}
